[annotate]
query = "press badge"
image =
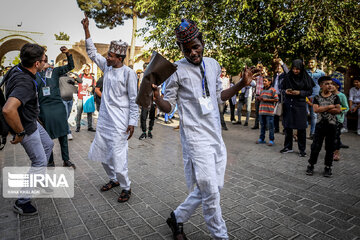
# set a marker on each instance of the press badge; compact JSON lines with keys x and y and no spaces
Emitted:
{"x":206,"y":105}
{"x":46,"y":91}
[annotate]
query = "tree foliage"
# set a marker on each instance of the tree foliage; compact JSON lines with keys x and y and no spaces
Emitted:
{"x":17,"y":60}
{"x":249,"y":31}
{"x":62,"y":36}
{"x":112,"y":13}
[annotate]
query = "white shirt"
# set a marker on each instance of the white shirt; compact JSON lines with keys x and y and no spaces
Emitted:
{"x":354,"y":95}
{"x":118,"y":110}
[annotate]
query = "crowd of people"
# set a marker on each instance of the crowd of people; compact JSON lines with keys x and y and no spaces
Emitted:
{"x":39,"y":99}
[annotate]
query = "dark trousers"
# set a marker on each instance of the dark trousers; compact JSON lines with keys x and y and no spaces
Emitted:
{"x":327,"y":131}
{"x":64,"y":146}
{"x":257,"y":106}
{"x":79,"y":112}
{"x":267,"y":120}
{"x":144,"y":115}
{"x":338,"y":143}
{"x":301,"y":133}
{"x":276,"y":123}
{"x":222,"y":109}
{"x":232,"y":111}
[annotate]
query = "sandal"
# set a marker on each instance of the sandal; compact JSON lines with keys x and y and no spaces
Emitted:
{"x":109,"y":186}
{"x":124,"y":196}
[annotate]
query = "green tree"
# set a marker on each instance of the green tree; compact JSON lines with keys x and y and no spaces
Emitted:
{"x":111,"y":13}
{"x":17,"y":60}
{"x":62,"y":36}
{"x":258,"y":30}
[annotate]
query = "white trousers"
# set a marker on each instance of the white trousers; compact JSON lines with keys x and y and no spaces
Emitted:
{"x":122,"y":176}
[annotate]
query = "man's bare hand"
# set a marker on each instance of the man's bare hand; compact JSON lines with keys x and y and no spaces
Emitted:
{"x":64,"y":49}
{"x":250,"y":74}
{"x":156,"y":92}
{"x":130,"y":130}
{"x":16,"y":139}
{"x":85,"y":22}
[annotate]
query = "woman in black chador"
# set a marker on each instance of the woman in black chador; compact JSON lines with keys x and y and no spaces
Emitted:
{"x":296,"y":86}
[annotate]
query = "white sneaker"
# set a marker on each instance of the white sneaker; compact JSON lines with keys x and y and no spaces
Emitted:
{"x":343,"y":130}
{"x":233,"y":121}
{"x":358,"y":132}
{"x":70,"y":137}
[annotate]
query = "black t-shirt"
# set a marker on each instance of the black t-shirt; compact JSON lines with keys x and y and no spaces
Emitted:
{"x":99,"y":84}
{"x":326,"y":101}
{"x":21,"y":85}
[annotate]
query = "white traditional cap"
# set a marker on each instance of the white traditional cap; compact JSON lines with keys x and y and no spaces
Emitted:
{"x":118,"y":47}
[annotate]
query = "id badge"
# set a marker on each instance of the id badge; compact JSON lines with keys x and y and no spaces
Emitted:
{"x":46,"y":91}
{"x":206,"y":105}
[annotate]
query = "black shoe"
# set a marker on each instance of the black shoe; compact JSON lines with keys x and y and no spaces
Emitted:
{"x":276,"y":131}
{"x":327,"y":172}
{"x":302,"y":154}
{"x":344,"y":146}
{"x":310,"y":170}
{"x":26,"y":209}
{"x":311,"y":137}
{"x":237,"y":123}
{"x":255,"y":127}
{"x":225,"y":128}
{"x":91,"y":130}
{"x":77,"y":129}
{"x":150,"y":135}
{"x":142,"y":136}
{"x":286,"y":150}
{"x":51,"y":164}
{"x":246,"y":124}
{"x":68,"y":163}
{"x":176,"y":228}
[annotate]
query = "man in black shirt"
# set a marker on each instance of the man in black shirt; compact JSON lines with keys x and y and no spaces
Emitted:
{"x":21,"y":111}
{"x":98,"y":92}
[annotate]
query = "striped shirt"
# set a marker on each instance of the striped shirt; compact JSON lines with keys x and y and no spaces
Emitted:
{"x":267,"y":108}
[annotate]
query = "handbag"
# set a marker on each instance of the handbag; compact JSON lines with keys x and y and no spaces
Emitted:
{"x":88,"y":104}
{"x":278,"y":110}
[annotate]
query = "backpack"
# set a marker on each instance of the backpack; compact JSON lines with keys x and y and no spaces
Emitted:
{"x":4,"y":127}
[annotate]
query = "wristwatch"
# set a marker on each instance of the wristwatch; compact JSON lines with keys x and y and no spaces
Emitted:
{"x":21,"y":134}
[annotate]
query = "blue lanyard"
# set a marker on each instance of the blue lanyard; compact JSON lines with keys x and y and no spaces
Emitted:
{"x":33,"y":79}
{"x":203,"y":80}
{"x":44,"y":81}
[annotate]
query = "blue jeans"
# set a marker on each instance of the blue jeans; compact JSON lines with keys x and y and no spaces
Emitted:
{"x":38,"y":147}
{"x":68,"y":107}
{"x":266,"y":120}
{"x":313,"y":117}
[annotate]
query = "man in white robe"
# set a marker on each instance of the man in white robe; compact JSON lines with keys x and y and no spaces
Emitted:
{"x":118,"y":113}
{"x":197,"y":89}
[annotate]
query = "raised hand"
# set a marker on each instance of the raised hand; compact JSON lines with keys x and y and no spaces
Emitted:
{"x":85,"y":22}
{"x":64,"y":49}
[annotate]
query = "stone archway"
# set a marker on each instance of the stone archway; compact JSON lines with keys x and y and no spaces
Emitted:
{"x":79,"y":59}
{"x":13,"y":43}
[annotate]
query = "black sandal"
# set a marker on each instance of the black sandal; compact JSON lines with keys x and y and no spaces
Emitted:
{"x":124,"y":196}
{"x":109,"y":186}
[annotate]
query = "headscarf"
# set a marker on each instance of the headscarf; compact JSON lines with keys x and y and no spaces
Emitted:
{"x":186,"y":31}
{"x":302,"y":81}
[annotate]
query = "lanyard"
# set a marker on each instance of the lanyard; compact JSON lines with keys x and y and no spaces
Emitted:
{"x":205,"y":88}
{"x":33,"y":79}
{"x":43,"y":80}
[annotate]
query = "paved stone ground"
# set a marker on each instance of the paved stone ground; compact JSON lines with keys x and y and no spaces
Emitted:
{"x":266,"y":195}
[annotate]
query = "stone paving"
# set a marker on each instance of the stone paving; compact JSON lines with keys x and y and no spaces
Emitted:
{"x":266,"y":195}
